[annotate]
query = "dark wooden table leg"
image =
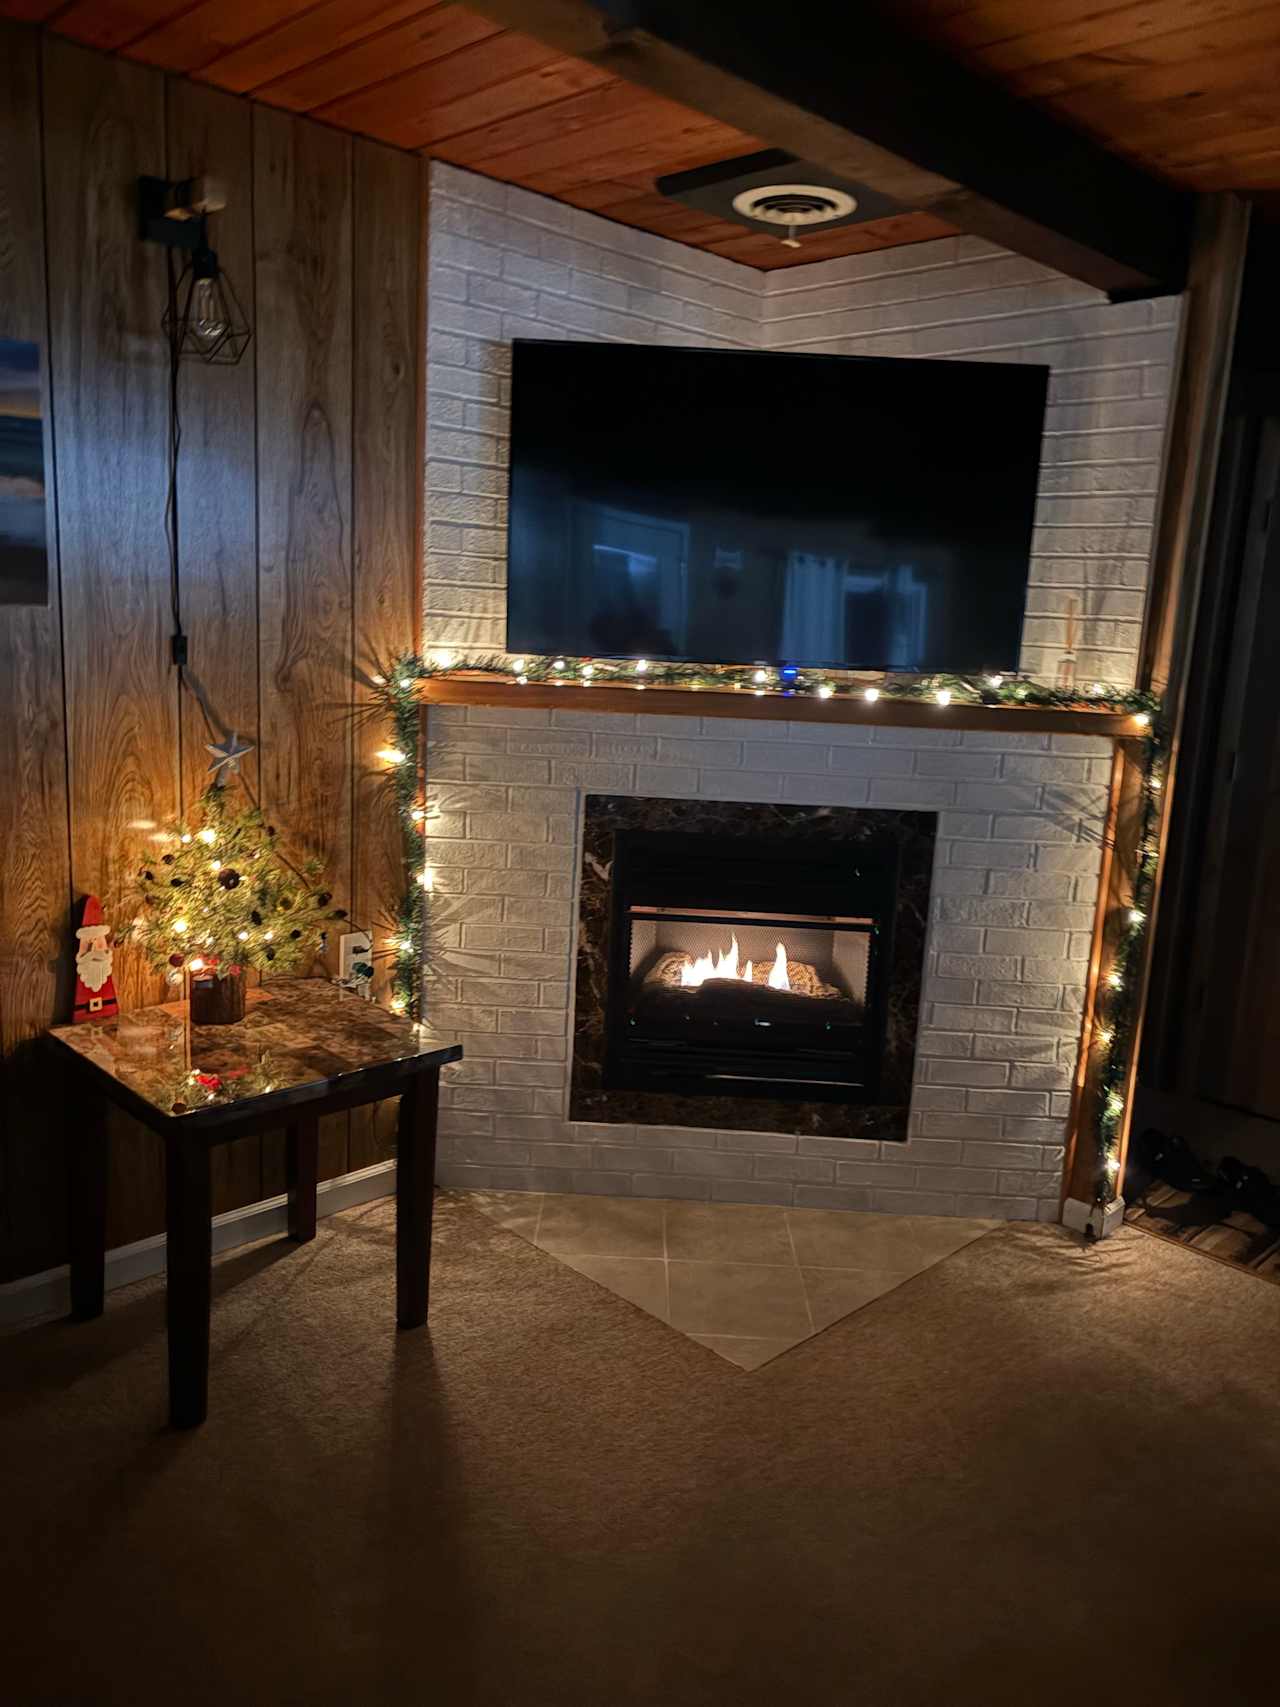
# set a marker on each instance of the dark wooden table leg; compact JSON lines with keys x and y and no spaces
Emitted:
{"x":415,"y":1182}
{"x":302,"y":1151}
{"x":86,"y":1128}
{"x":190,"y":1253}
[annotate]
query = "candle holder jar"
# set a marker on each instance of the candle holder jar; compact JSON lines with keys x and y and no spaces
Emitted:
{"x":217,"y":1001}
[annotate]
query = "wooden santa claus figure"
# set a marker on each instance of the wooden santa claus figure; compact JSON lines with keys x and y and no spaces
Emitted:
{"x":95,"y":990}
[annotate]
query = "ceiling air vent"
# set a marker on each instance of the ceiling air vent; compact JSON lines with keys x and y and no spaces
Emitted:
{"x":794,"y":204}
{"x":774,"y":192}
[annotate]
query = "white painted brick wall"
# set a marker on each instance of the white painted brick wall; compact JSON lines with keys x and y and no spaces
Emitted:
{"x":1109,"y":391}
{"x":1019,"y":828}
{"x":1021,"y":816}
{"x":505,"y":264}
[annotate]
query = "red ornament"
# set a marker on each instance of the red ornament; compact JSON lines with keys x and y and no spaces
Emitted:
{"x":95,"y":996}
{"x":176,"y":960}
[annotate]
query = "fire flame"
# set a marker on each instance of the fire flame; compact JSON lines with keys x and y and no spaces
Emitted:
{"x":709,"y":966}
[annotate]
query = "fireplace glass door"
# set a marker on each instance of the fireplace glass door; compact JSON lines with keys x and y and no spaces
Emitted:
{"x":747,"y":967}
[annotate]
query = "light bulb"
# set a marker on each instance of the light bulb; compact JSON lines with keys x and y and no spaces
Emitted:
{"x":871,"y":695}
{"x":642,"y":664}
{"x":196,"y":965}
{"x":184,"y":837}
{"x":588,"y":670}
{"x":267,"y":935}
{"x":417,"y":813}
{"x":1142,"y":719}
{"x":1105,"y":1037}
{"x":559,"y":664}
{"x":443,"y":660}
{"x":404,"y":682}
{"x":825,"y":691}
{"x":995,"y":681}
{"x":215,"y":865}
{"x":180,"y":927}
{"x":523,"y":680}
{"x":208,"y":837}
{"x":1115,"y":981}
{"x":1137,"y":916}
{"x":391,"y":755}
{"x":760,"y":676}
{"x":1096,"y":690}
{"x":242,"y":936}
{"x":426,"y":877}
{"x":207,"y":321}
{"x":378,"y":681}
{"x":517,"y":664}
{"x":943,"y":696}
{"x":397,"y":1004}
{"x":1113,"y":1165}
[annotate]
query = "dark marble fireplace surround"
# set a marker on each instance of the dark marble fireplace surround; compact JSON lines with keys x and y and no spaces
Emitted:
{"x":903,"y":838}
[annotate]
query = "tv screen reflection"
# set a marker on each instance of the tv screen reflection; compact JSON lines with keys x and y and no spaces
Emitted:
{"x":839,"y":511}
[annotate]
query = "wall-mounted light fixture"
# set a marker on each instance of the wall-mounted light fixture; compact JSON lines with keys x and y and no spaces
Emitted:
{"x":203,"y":318}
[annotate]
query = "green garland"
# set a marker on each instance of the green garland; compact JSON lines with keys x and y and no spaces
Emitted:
{"x":396,"y":690}
{"x":1116,"y":1007}
{"x":1016,"y":692}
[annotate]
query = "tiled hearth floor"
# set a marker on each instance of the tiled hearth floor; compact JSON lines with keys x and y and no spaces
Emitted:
{"x":747,"y":1283}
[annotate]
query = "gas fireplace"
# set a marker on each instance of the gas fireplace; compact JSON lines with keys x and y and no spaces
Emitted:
{"x":746,"y":967}
{"x":749,"y":966}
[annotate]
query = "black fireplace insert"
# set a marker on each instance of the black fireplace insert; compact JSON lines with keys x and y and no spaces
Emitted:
{"x":749,"y":966}
{"x":742,"y":966}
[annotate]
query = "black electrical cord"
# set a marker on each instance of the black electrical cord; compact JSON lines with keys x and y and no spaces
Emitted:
{"x":178,"y":640}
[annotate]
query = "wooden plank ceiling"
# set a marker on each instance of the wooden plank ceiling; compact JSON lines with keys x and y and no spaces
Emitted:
{"x":1186,"y":88}
{"x":1182,"y":87}
{"x":445,"y":81}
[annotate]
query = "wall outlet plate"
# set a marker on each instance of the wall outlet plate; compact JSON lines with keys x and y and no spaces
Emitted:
{"x":355,"y":949}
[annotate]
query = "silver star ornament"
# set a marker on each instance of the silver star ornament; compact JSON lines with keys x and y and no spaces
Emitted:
{"x":227,"y":756}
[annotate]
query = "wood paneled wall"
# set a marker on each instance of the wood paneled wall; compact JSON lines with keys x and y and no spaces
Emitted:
{"x":299,"y":526}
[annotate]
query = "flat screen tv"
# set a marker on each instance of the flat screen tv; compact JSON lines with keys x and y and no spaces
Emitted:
{"x":841,"y":511}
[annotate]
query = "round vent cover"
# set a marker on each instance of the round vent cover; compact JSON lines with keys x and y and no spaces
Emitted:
{"x":794,"y":204}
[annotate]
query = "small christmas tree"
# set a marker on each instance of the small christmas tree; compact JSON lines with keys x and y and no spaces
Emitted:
{"x":221,"y":898}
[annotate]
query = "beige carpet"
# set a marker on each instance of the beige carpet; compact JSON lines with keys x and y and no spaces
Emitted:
{"x":1032,"y":1475}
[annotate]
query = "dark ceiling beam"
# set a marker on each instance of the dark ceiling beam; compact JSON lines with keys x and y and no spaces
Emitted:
{"x":845,"y":86}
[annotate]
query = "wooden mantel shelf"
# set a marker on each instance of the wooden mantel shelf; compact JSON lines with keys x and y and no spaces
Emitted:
{"x":778,"y":707}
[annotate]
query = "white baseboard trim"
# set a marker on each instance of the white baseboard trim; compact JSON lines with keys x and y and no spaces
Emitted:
{"x":49,"y":1294}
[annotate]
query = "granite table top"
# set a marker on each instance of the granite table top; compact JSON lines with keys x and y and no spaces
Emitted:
{"x":300,"y":1040}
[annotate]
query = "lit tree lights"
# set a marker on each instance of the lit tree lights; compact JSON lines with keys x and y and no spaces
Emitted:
{"x":215,"y":895}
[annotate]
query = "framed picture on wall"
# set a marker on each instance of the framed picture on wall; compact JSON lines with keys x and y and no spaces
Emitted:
{"x":24,"y":554}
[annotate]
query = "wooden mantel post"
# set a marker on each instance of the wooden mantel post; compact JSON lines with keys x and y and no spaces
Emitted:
{"x":1186,"y":502}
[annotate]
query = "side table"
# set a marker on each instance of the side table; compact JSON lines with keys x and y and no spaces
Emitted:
{"x":303,"y":1049}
